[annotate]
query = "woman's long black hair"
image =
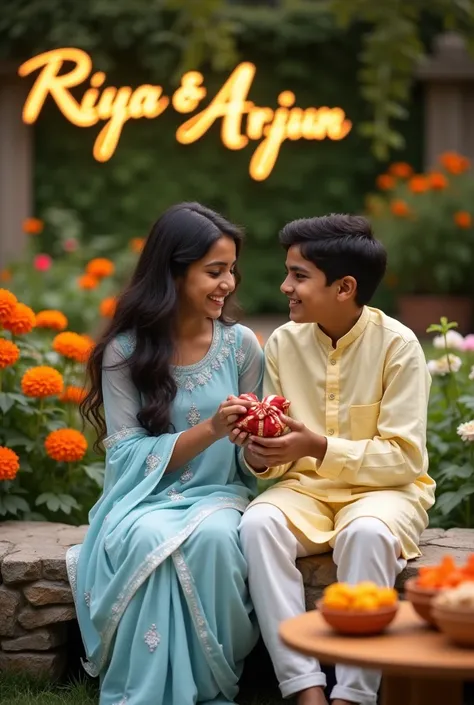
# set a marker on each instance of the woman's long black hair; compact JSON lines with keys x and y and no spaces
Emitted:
{"x":148,"y":309}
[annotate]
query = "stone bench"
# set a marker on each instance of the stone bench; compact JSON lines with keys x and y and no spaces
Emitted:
{"x":36,"y":601}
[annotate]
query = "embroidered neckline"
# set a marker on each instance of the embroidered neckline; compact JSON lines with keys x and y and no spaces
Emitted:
{"x":181,"y":370}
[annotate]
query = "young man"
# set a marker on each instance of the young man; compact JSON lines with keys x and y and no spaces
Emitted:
{"x":352,"y":471}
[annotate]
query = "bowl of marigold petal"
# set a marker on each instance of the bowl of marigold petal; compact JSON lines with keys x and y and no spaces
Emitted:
{"x":363,"y":609}
{"x":432,"y":580}
{"x":453,"y":612}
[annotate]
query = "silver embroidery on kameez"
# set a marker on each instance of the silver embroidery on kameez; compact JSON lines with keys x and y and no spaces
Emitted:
{"x":240,"y":357}
{"x":151,"y":463}
{"x":187,"y":475}
{"x":124,"y":701}
{"x":193,"y":416}
{"x":152,"y":638}
{"x":87,"y":598}
{"x":124,"y":432}
{"x":192,"y":376}
{"x":174,"y":495}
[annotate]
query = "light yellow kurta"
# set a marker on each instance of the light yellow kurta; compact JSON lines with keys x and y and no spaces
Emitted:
{"x":369,"y":397}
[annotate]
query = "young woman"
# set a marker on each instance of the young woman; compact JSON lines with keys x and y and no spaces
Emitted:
{"x":160,"y":581}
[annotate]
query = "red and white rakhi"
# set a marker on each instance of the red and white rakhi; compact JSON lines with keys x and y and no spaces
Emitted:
{"x":263,"y":419}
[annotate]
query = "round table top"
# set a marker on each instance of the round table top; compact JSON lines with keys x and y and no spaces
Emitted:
{"x":407,"y":647}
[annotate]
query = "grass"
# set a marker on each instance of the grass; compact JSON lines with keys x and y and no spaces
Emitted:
{"x":15,"y":690}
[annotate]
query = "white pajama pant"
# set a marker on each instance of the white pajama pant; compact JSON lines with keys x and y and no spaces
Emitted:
{"x":364,"y":550}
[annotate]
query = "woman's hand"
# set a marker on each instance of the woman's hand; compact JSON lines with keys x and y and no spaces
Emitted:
{"x":223,"y":421}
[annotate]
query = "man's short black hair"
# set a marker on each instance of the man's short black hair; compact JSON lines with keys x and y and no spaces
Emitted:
{"x":340,"y":246}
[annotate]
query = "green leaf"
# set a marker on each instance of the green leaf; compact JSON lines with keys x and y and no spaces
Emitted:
{"x":6,"y":402}
{"x":451,"y":500}
{"x":13,"y":504}
{"x":96,"y":472}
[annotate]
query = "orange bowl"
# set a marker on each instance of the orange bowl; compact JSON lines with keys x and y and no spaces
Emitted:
{"x":421,"y":599}
{"x":456,"y":623}
{"x":363,"y":623}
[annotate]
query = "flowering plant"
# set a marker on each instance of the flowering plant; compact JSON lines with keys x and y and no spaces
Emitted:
{"x":59,"y":272}
{"x":46,"y":466}
{"x":426,"y":223}
{"x":451,"y":426}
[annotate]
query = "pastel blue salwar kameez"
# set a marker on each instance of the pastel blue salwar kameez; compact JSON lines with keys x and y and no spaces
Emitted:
{"x":160,"y":583}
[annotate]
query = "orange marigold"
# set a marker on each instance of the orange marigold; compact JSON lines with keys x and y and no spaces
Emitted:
{"x":401,"y":170}
{"x":21,"y":320}
{"x":463,"y":219}
{"x":66,"y":445}
{"x":49,"y":318}
{"x":454,"y":163}
{"x":8,"y":301}
{"x":100,"y":267}
{"x":88,"y":282}
{"x":137,"y":244}
{"x":385,"y":182}
{"x":9,"y":463}
{"x":73,"y":346}
{"x":437,"y":181}
{"x":33,"y":226}
{"x":107,"y":307}
{"x":5,"y":275}
{"x":399,"y":208}
{"x":9,"y":353}
{"x":418,"y":184}
{"x":73,"y":394}
{"x":42,"y":382}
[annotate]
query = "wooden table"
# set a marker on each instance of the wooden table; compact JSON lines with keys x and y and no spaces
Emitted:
{"x":419,"y":665}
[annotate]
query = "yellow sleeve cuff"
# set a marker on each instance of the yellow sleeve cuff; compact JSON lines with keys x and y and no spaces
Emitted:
{"x":337,"y":452}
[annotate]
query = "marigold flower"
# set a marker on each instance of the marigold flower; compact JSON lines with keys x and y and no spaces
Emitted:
{"x":5,"y":275}
{"x":66,"y":445}
{"x":49,"y":318}
{"x":418,"y":184}
{"x":9,"y":353}
{"x":42,"y":382}
{"x":385,"y":182}
{"x":137,"y":244}
{"x":73,"y":346}
{"x":399,"y":208}
{"x":401,"y":170}
{"x":107,"y":307}
{"x":437,"y":181}
{"x":33,"y":226}
{"x":88,"y":282}
{"x":463,"y":219}
{"x":8,"y":301}
{"x":9,"y":463}
{"x":454,"y":163}
{"x":100,"y":267}
{"x":21,"y":320}
{"x":73,"y":394}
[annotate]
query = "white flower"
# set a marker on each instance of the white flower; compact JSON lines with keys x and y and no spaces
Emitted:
{"x":466,"y":431}
{"x":471,"y":375}
{"x":454,"y":341}
{"x":441,"y":366}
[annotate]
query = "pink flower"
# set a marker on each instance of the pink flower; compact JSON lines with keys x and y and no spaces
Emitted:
{"x":468,"y":343}
{"x":42,"y":262}
{"x":70,"y":245}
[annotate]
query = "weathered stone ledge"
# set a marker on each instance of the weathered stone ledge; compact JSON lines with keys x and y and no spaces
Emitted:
{"x":36,"y":601}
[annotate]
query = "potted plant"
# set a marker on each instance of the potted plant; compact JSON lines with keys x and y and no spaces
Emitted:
{"x":426,"y":223}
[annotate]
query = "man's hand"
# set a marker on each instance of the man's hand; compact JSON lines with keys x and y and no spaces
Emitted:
{"x":298,"y":443}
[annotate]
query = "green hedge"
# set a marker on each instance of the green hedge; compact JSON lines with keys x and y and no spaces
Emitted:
{"x":151,"y":171}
